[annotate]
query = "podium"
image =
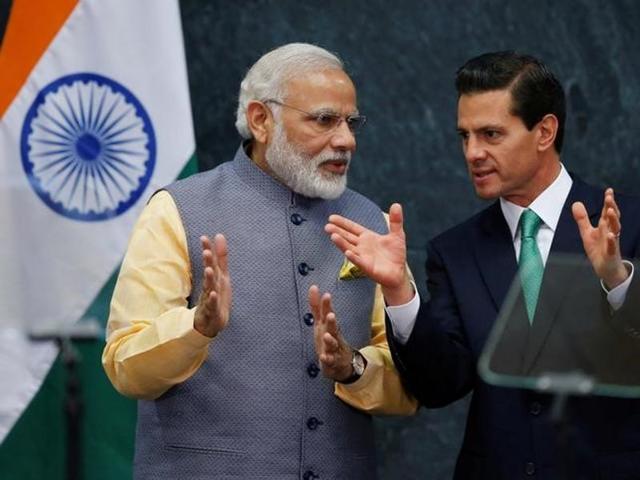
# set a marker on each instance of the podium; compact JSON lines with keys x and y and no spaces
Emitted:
{"x":575,"y":345}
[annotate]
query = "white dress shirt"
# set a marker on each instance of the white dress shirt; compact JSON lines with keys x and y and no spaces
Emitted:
{"x":548,"y":206}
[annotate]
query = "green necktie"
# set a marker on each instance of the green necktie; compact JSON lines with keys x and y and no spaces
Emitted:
{"x":531,"y":267}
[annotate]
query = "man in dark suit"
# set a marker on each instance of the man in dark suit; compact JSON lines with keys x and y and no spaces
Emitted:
{"x":511,"y":112}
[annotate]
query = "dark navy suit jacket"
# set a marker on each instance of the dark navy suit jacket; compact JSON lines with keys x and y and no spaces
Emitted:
{"x":508,"y":434}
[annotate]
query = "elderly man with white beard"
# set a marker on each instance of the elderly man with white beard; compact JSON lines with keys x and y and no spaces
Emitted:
{"x":229,"y":385}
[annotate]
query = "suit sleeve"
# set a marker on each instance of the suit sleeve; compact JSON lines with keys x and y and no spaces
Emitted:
{"x":436,"y":364}
{"x":627,"y":318}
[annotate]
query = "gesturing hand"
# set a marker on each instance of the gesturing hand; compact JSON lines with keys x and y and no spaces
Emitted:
{"x":214,"y":305}
{"x":381,"y":257}
{"x":334,"y":354}
{"x":602,"y":243}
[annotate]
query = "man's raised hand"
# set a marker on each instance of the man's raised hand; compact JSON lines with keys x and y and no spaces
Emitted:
{"x":602,"y":242}
{"x":214,"y":305}
{"x":334,"y":353}
{"x":382,"y":258}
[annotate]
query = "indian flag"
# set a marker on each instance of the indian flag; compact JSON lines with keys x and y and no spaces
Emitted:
{"x":94,"y":117}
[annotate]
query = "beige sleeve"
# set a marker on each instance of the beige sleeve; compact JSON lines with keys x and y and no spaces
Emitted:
{"x":151,"y":342}
{"x":379,"y":390}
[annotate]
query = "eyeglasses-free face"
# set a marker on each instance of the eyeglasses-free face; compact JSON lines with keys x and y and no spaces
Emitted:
{"x":326,"y":121}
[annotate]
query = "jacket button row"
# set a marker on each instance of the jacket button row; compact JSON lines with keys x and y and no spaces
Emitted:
{"x":297,"y":219}
{"x":535,"y":408}
{"x":313,"y":370}
{"x":308,"y":319}
{"x":313,"y":423}
{"x":530,"y":468}
{"x":304,"y":269}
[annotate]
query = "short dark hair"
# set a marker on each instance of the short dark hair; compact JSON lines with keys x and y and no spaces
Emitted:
{"x":535,"y":90}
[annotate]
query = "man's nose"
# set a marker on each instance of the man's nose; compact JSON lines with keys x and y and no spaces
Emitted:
{"x":474,"y":150}
{"x":342,"y":138}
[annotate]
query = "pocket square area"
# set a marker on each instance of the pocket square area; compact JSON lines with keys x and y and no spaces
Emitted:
{"x":349,"y":271}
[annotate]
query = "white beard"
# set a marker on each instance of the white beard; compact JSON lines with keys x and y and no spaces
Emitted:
{"x":301,"y":172}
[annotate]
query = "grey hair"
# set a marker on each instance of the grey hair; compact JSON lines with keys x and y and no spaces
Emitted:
{"x":268,"y":77}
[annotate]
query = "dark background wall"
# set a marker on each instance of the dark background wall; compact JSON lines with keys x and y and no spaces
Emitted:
{"x":403,"y":56}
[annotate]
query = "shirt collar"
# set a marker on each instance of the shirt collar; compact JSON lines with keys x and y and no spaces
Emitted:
{"x":548,"y":205}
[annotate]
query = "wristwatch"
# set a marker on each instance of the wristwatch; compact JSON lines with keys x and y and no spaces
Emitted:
{"x":358,"y":363}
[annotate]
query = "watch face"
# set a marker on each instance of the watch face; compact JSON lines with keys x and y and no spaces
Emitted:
{"x":358,"y":363}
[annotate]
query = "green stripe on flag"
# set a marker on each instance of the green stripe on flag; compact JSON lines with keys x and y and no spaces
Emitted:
{"x":190,"y":168}
{"x":35,"y":449}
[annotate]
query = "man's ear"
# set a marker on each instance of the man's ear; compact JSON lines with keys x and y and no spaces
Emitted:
{"x":259,"y":121}
{"x":548,"y":129}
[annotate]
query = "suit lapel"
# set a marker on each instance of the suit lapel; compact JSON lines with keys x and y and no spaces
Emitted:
{"x":556,"y":279}
{"x":495,"y":254}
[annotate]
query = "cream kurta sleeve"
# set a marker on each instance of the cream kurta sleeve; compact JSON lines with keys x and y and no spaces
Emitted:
{"x":151,"y":342}
{"x":379,"y":390}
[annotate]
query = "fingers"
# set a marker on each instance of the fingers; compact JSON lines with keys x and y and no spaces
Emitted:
{"x":325,"y":326}
{"x":347,"y":243}
{"x":341,"y":243}
{"x":349,"y":251}
{"x":205,"y":313}
{"x":221,"y":252}
{"x":314,"y":302}
{"x":612,"y":212}
{"x":211,"y":302}
{"x":331,"y":344}
{"x":206,"y":243}
{"x":395,"y":218}
{"x":314,"y":296}
{"x":215,"y":284}
{"x":334,"y":355}
{"x":610,"y":215}
{"x":209,"y":264}
{"x":209,"y":280}
{"x":359,"y":261}
{"x":610,"y":224}
{"x":329,"y":358}
{"x":610,"y":201}
{"x":320,"y":307}
{"x":612,"y":229}
{"x":214,"y":260}
{"x":207,"y":251}
{"x":613,"y":223}
{"x":346,"y":224}
{"x":326,"y":305}
{"x":332,"y":324}
{"x":582,"y":219}
{"x":214,"y":304}
{"x":336,"y":231}
{"x":208,"y":257}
